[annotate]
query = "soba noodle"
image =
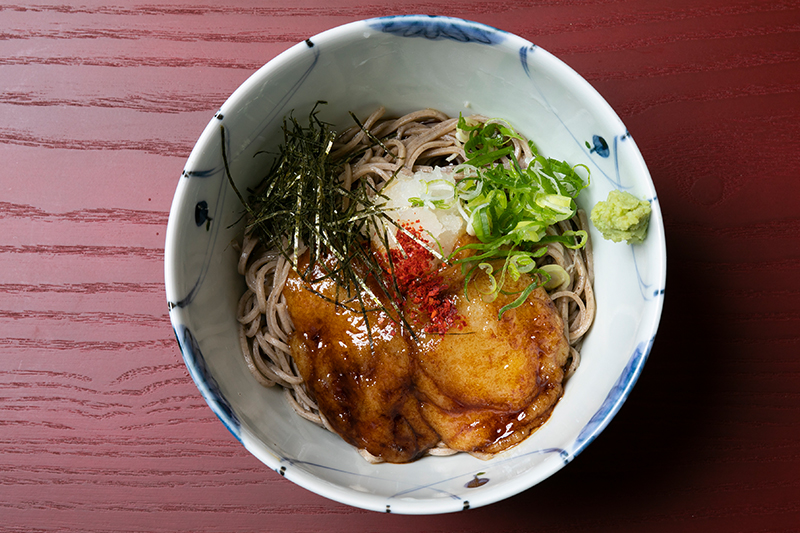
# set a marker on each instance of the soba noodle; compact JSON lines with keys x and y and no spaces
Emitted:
{"x":415,"y":141}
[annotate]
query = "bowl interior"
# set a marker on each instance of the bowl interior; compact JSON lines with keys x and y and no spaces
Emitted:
{"x":407,"y":63}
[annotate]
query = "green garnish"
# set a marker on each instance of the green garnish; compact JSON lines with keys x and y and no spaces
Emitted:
{"x":508,"y":208}
{"x":301,"y":201}
{"x":622,"y":216}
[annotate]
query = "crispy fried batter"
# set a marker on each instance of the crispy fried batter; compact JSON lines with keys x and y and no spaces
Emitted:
{"x":481,"y":389}
{"x":489,"y":387}
{"x":366,"y":395}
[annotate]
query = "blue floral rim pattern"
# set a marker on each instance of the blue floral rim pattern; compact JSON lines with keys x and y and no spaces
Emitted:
{"x":438,"y":28}
{"x":201,"y":375}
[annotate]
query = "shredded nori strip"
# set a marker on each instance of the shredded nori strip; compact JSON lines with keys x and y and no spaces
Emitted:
{"x":301,"y":201}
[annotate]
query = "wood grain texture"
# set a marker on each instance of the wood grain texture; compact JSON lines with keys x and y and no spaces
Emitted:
{"x":101,"y":428}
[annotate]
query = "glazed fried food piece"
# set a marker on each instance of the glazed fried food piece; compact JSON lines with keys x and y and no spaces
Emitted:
{"x":488,"y":388}
{"x":365,"y":394}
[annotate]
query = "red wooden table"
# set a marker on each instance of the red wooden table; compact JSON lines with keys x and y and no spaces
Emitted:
{"x":101,"y":428}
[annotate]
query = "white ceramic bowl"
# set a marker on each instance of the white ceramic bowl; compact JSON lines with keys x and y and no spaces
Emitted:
{"x":406,"y":63}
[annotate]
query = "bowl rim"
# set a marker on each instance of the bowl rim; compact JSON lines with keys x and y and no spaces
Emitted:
{"x":308,"y":480}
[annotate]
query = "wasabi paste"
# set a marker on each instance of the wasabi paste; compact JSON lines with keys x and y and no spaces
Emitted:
{"x":622,"y":217}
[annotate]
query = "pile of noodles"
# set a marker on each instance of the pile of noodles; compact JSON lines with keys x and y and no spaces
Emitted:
{"x":416,"y":141}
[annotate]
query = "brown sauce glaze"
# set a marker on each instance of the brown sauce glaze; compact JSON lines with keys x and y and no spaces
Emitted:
{"x":481,"y":390}
{"x":365,"y":394}
{"x":490,"y":386}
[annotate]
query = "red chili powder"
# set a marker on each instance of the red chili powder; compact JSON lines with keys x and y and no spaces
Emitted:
{"x":421,"y":284}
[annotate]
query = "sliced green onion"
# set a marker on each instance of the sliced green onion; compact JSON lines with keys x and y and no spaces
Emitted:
{"x":492,"y":290}
{"x":520,"y":299}
{"x":507,"y":207}
{"x":558,"y":276}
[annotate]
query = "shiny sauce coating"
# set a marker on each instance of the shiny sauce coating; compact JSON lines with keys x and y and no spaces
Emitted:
{"x":364,"y":389}
{"x":481,"y":388}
